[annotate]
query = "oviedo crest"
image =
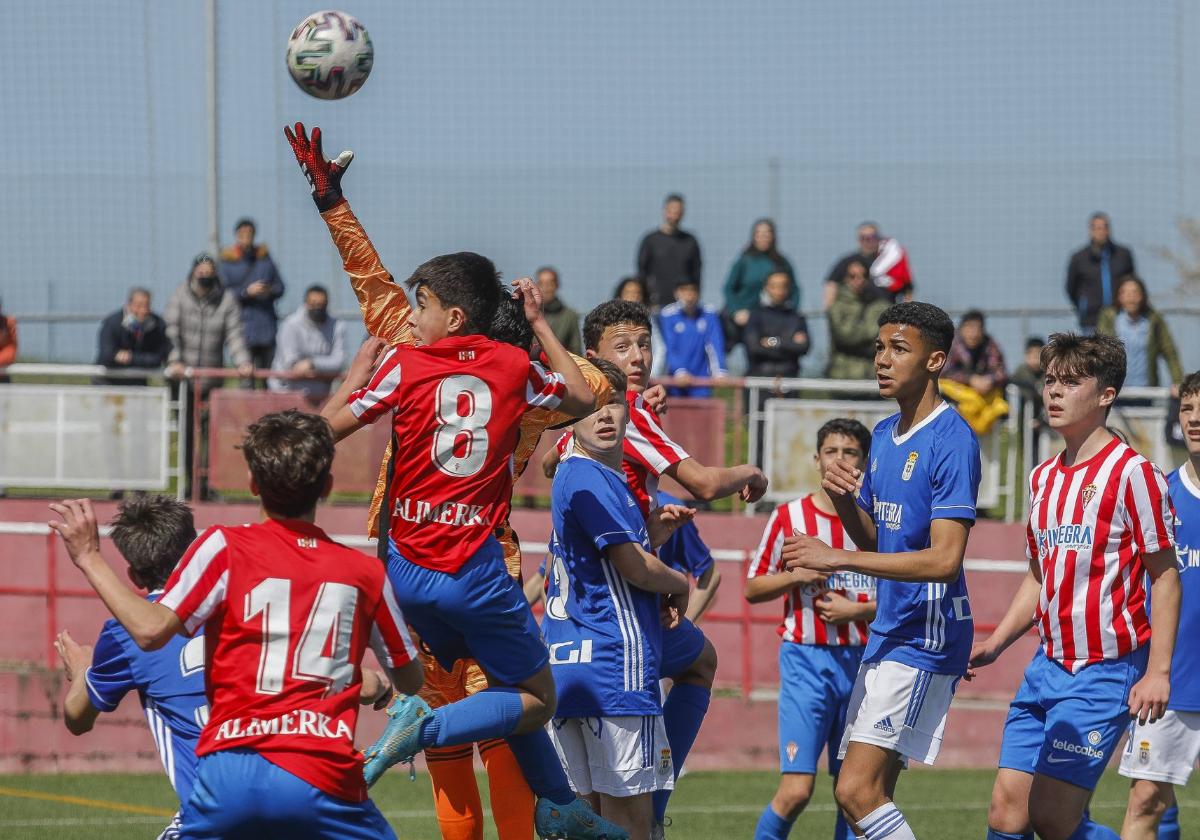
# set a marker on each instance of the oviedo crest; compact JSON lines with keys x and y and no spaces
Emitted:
{"x":1144,"y":752}
{"x":1088,"y":494}
{"x":909,"y":466}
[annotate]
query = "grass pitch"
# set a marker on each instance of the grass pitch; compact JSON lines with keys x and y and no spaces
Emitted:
{"x":939,"y":804}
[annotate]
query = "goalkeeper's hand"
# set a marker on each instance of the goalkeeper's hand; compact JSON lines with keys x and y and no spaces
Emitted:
{"x":324,"y":176}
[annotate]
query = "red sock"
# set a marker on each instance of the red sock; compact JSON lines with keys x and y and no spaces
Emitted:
{"x":512,"y":800}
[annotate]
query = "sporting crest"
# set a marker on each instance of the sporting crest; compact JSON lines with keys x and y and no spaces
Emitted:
{"x":1088,"y":494}
{"x":792,"y":749}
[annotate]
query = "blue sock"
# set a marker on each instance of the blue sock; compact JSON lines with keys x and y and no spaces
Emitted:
{"x":993,"y":834}
{"x":683,"y":713}
{"x":492,"y":713}
{"x":842,"y":829}
{"x":1168,"y":827}
{"x":771,"y":826}
{"x":539,"y":763}
{"x":1089,"y":830}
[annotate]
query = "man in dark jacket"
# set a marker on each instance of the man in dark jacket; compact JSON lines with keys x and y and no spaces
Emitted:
{"x":133,"y":337}
{"x":776,"y":335}
{"x":668,"y":255}
{"x":1094,"y":270}
{"x":250,"y":274}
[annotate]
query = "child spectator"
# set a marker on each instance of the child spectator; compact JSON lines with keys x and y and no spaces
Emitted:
{"x":694,"y":340}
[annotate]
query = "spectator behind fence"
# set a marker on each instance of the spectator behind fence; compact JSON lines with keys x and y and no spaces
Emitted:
{"x":668,"y":255}
{"x":1030,"y":377}
{"x":203,"y":324}
{"x":634,"y":290}
{"x":868,"y":250}
{"x":133,"y":337}
{"x":563,"y":320}
{"x":1144,"y":333}
{"x":312,"y":345}
{"x":853,"y":323}
{"x":776,"y":335}
{"x":747,"y":277}
{"x":974,"y":376}
{"x":695,"y":343}
{"x":250,"y":274}
{"x":8,"y":342}
{"x":1094,"y":270}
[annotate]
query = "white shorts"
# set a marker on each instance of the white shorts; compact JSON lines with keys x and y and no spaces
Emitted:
{"x":899,"y":707}
{"x":618,"y":756}
{"x":1163,"y":751}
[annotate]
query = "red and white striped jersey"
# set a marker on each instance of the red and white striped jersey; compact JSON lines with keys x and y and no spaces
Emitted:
{"x":649,"y":452}
{"x":287,"y":616}
{"x":800,"y":621}
{"x":1089,"y":526}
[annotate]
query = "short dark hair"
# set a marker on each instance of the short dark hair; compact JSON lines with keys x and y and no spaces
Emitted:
{"x":849,"y":428}
{"x":466,"y":280}
{"x":672,"y":197}
{"x":1137,"y":281}
{"x":316,"y":287}
{"x":615,"y":376}
{"x":972,"y":315}
{"x":546,"y":268}
{"x":1190,"y":385}
{"x":934,"y":325}
{"x":135,"y":291}
{"x":640,"y":282}
{"x":290,"y":454}
{"x":609,"y":314}
{"x":245,"y":221}
{"x":508,"y":323}
{"x":1100,"y":216}
{"x":1082,"y":356}
{"x":152,"y":533}
{"x":1034,"y":342}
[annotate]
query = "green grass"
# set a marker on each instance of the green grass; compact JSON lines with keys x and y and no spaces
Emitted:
{"x":940,"y":805}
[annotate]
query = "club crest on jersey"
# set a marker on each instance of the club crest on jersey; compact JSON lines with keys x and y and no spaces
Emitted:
{"x":909,"y":466}
{"x":664,"y":761}
{"x":1088,"y":494}
{"x":1144,"y":752}
{"x":792,"y":749}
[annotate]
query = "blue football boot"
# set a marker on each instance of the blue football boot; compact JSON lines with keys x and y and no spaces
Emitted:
{"x":575,"y":821}
{"x":400,"y":741}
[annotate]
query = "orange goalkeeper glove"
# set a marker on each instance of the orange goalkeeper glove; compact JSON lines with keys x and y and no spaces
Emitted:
{"x":324,"y":176}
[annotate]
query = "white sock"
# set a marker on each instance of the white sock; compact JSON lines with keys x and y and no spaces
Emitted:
{"x":886,"y":821}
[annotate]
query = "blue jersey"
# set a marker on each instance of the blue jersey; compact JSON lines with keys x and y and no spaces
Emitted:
{"x":684,"y":550}
{"x":695,"y":344}
{"x":604,"y":634}
{"x":1185,"y":665}
{"x":930,"y":472}
{"x":170,"y":684}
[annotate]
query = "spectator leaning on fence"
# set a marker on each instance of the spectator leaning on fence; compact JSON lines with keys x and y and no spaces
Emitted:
{"x":868,"y":249}
{"x":1094,"y":270}
{"x":695,"y":343}
{"x":853,"y":324}
{"x":8,"y":342}
{"x":250,"y":274}
{"x":776,"y":335}
{"x":668,"y":255}
{"x":203,"y":323}
{"x":974,"y":376}
{"x":563,"y":320}
{"x":133,"y":337}
{"x":1030,"y":377}
{"x":748,"y":275}
{"x":311,"y":345}
{"x":1144,"y":333}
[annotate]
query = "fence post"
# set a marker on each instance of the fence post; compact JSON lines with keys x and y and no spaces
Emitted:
{"x":194,"y":440}
{"x":747,"y":650}
{"x":51,"y":598}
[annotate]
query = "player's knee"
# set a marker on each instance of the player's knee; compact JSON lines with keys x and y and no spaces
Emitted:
{"x":1051,"y":821}
{"x":1148,"y":799}
{"x":855,"y":796}
{"x":703,"y":669}
{"x":793,"y":796}
{"x":1009,"y":809}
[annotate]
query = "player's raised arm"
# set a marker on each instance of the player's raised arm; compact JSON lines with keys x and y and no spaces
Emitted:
{"x":78,"y":712}
{"x":579,"y":399}
{"x":384,"y":305}
{"x":362,"y":397}
{"x":151,"y":625}
{"x":711,"y":483}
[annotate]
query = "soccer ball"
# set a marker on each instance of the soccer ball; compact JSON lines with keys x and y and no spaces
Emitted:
{"x":330,"y":55}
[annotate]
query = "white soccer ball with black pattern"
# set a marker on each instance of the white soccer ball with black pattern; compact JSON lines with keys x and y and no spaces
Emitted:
{"x":330,"y":55}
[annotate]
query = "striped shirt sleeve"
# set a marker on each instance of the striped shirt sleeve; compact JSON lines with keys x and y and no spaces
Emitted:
{"x":382,"y":393}
{"x":767,"y":557}
{"x":198,"y":585}
{"x":544,"y":388}
{"x":389,"y":634}
{"x":647,"y":444}
{"x":1147,"y":503}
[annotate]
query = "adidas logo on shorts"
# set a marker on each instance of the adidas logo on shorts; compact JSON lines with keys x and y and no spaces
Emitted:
{"x":885,"y":725}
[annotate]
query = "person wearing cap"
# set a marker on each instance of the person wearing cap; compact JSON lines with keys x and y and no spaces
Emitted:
{"x":253,"y":279}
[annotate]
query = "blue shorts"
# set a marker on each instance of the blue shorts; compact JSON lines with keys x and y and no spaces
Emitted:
{"x":239,"y":795}
{"x":680,"y":648}
{"x":478,"y":612}
{"x":1066,"y":726}
{"x":815,"y":682}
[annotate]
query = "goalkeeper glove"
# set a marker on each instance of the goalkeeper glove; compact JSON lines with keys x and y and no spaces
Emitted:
{"x":324,"y":176}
